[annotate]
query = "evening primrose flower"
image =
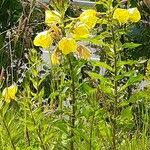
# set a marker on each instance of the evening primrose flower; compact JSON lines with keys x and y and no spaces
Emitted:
{"x":43,"y":39}
{"x":122,"y":15}
{"x":134,"y":15}
{"x":67,"y":45}
{"x":9,"y":93}
{"x":80,"y":30}
{"x":89,"y":18}
{"x":55,"y":58}
{"x":83,"y":52}
{"x":52,"y":17}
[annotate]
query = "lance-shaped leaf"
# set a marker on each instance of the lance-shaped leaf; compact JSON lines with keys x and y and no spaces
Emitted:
{"x":126,"y":118}
{"x":131,"y":45}
{"x":128,"y":62}
{"x":132,"y":80}
{"x":102,"y":64}
{"x":141,"y":95}
{"x":125,"y":74}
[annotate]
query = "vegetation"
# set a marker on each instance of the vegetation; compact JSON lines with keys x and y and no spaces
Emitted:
{"x":92,"y":93}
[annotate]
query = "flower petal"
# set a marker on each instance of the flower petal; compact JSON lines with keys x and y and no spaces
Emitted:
{"x":80,"y":31}
{"x":89,"y":18}
{"x":67,"y":45}
{"x":52,"y":17}
{"x":122,"y":15}
{"x":134,"y":14}
{"x":43,"y":39}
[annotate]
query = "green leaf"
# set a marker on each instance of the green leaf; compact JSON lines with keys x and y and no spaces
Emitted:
{"x":128,"y":62}
{"x":126,"y":114}
{"x":125,"y":74}
{"x":87,"y":89}
{"x":132,"y":80}
{"x":102,"y":64}
{"x":141,"y":95}
{"x":131,"y":45}
{"x":125,"y":120}
{"x":100,"y":77}
{"x":61,"y":125}
{"x":123,"y":103}
{"x":42,"y":79}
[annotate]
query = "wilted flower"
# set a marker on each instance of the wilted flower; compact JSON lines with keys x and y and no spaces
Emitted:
{"x":89,"y":18}
{"x":134,"y":14}
{"x":122,"y":15}
{"x":67,"y":45}
{"x":52,"y":17}
{"x":55,"y":31}
{"x":83,"y":52}
{"x":80,"y":30}
{"x":55,"y":58}
{"x":9,"y":93}
{"x":43,"y":39}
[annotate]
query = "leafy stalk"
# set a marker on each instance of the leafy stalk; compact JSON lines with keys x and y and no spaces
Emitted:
{"x":91,"y":131}
{"x":115,"y":93}
{"x":73,"y":104}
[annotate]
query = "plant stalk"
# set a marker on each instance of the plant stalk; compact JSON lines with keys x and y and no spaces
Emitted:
{"x":114,"y":134}
{"x":91,"y":131}
{"x":73,"y":104}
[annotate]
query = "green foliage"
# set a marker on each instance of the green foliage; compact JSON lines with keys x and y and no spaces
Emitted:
{"x":72,"y":106}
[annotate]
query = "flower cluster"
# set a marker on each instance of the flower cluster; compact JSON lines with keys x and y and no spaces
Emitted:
{"x":125,"y":15}
{"x":67,"y":43}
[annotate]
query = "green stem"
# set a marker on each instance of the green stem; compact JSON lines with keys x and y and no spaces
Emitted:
{"x":91,"y":131}
{"x":26,"y":132}
{"x":114,"y":134}
{"x":27,"y":136}
{"x":73,"y":104}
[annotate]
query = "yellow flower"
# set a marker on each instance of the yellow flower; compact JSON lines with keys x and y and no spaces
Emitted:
{"x":67,"y":45}
{"x":134,"y":14}
{"x":122,"y":15}
{"x":52,"y":17}
{"x":55,"y":58}
{"x":80,"y":31}
{"x":9,"y":93}
{"x":43,"y":39}
{"x":83,"y":52}
{"x":89,"y":18}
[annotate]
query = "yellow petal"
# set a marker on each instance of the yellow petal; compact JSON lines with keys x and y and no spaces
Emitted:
{"x":80,"y":31}
{"x":122,"y":15}
{"x":9,"y":93}
{"x":83,"y":52}
{"x":12,"y":90}
{"x":89,"y":18}
{"x":52,"y":17}
{"x":67,"y":45}
{"x":55,"y":58}
{"x":134,"y":14}
{"x":6,"y":95}
{"x":43,"y":39}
